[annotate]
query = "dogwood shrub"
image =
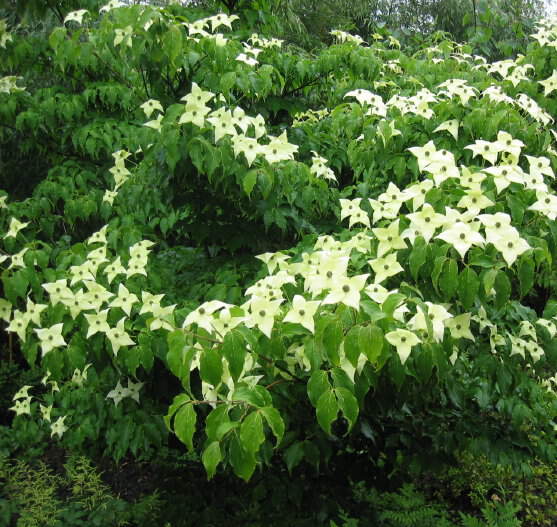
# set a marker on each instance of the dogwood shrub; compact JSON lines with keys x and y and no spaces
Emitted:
{"x":415,"y":317}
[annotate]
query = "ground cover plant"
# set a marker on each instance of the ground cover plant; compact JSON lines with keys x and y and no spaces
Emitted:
{"x":281,"y":259}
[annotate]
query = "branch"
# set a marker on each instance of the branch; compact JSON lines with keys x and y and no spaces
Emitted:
{"x":56,"y":10}
{"x":282,"y":368}
{"x":8,"y":126}
{"x":217,"y":402}
{"x":144,"y":82}
{"x":307,"y":84}
{"x":115,"y":72}
{"x":269,"y":360}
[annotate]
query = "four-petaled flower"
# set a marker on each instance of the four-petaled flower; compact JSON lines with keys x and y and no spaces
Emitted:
{"x":51,"y":338}
{"x":403,"y":340}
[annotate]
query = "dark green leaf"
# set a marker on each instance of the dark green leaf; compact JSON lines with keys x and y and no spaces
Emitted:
{"x":184,"y":425}
{"x":417,"y":256}
{"x":242,"y":460}
{"x":502,"y":289}
{"x":371,"y":342}
{"x":526,"y":270}
{"x":348,"y":405}
{"x":317,"y":385}
{"x":275,"y":422}
{"x":251,"y":432}
{"x":331,"y":339}
{"x":234,"y":350}
{"x":211,"y":457}
{"x":327,"y":410}
{"x":352,"y":345}
{"x":468,"y":286}
{"x":210,"y":366}
{"x":448,"y":280}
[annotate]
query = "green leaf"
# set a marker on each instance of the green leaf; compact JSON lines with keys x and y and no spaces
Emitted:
{"x":184,"y":425}
{"x":317,"y":385}
{"x":210,"y":366}
{"x":502,"y":289}
{"x":225,"y":427}
{"x":391,"y":303}
{"x":275,"y":422}
{"x":517,"y":208}
{"x":227,"y":81}
{"x":372,"y":310}
{"x":211,"y":457}
{"x":352,"y":345}
{"x":468,"y":286}
{"x":348,"y":405}
{"x":215,"y":419}
{"x":249,"y":181}
{"x":178,"y":402}
{"x":242,"y":460}
{"x":417,"y":256}
{"x":256,"y":396}
{"x":57,"y":36}
{"x":293,"y":455}
{"x":371,"y":342}
{"x":526,"y":270}
{"x":327,"y":410}
{"x":146,"y":357}
{"x":251,"y":432}
{"x":341,"y":379}
{"x":16,"y":286}
{"x":234,"y":350}
{"x":331,"y":339}
{"x":448,"y":281}
{"x":489,"y":280}
{"x":437,"y":269}
{"x":179,"y":356}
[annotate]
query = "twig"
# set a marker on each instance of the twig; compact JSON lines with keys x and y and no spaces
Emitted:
{"x":279,"y":381}
{"x":307,"y":84}
{"x":144,"y":83}
{"x":269,"y":360}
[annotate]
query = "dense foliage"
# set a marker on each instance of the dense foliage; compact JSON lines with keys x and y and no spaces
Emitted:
{"x":401,"y":308}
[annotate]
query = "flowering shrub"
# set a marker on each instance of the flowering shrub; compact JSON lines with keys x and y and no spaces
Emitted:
{"x":420,"y":321}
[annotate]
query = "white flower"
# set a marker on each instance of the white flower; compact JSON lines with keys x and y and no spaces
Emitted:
{"x":347,"y":291}
{"x":51,"y":337}
{"x":461,"y":236}
{"x":459,"y":326}
{"x":437,"y":316}
{"x":150,"y":106}
{"x":118,"y":393}
{"x":15,"y":227}
{"x":58,"y":428}
{"x":76,"y":16}
{"x":450,"y":126}
{"x":250,"y":61}
{"x":385,"y":267}
{"x":118,"y":336}
{"x":302,"y":312}
{"x":404,"y":341}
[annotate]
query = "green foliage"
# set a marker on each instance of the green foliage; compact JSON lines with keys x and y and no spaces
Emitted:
{"x":405,"y":508}
{"x":409,"y":507}
{"x":475,"y":479}
{"x":39,"y":497}
{"x":158,"y":147}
